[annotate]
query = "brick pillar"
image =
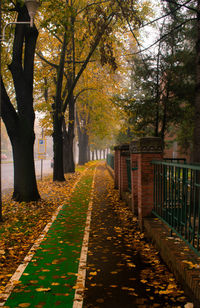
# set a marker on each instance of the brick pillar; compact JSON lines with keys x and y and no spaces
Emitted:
{"x":148,"y":149}
{"x":123,"y":180}
{"x":134,"y":178}
{"x":116,"y":166}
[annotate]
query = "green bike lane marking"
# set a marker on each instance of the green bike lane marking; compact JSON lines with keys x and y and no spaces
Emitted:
{"x":49,"y":279}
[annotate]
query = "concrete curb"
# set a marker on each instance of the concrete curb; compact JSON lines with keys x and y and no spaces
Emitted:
{"x":181,"y":260}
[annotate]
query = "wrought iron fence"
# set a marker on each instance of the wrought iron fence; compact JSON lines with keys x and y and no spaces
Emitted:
{"x":110,"y":160}
{"x":177,"y":199}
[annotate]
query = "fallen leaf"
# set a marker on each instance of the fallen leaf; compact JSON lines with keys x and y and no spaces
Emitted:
{"x":100,"y":300}
{"x":43,"y":289}
{"x":55,"y":284}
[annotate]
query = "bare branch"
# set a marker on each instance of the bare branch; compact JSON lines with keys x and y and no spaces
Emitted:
{"x":83,"y":90}
{"x":182,"y":5}
{"x":56,"y":36}
{"x":163,"y":16}
{"x":40,"y":55}
{"x":162,"y":37}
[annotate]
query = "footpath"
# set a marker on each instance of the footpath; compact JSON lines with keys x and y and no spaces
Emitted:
{"x":94,"y":255}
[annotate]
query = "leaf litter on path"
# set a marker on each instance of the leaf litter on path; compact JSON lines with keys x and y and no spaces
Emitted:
{"x":23,"y":222}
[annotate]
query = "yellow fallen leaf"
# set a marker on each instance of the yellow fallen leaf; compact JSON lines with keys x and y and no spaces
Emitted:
{"x":78,"y":286}
{"x":131,"y":265}
{"x":16,"y":282}
{"x":43,"y":289}
{"x":143,"y":281}
{"x":55,"y":284}
{"x":93,"y":273}
{"x":24,"y":305}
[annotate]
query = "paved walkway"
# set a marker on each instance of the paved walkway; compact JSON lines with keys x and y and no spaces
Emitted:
{"x":122,"y":269}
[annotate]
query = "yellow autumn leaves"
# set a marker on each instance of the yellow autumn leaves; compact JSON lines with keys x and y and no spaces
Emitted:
{"x":24,"y":222}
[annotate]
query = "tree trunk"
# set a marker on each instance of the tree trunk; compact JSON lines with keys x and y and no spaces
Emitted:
{"x":83,"y":147}
{"x":83,"y":141}
{"x":20,"y":124}
{"x":92,"y":155}
{"x":96,"y":152}
{"x":69,"y":166}
{"x":88,"y":152}
{"x":58,"y":171}
{"x":25,"y":186}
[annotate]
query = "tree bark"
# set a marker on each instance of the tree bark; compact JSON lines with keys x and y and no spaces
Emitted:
{"x":25,"y":186}
{"x":83,"y":141}
{"x":83,"y":148}
{"x":68,"y":137}
{"x":20,"y":123}
{"x":88,"y":151}
{"x":58,"y":170}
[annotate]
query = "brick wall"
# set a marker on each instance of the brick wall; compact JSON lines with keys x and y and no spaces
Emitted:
{"x":142,"y":152}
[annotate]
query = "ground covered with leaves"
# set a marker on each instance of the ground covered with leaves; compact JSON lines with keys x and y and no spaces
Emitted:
{"x":23,"y":222}
{"x":124,"y":270}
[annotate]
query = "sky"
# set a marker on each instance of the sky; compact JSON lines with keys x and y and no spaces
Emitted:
{"x":149,"y":34}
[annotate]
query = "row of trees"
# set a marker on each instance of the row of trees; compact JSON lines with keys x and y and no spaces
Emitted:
{"x":79,"y":57}
{"x":77,"y":39}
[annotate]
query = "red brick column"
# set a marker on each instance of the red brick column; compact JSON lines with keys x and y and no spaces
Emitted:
{"x":123,"y":179}
{"x":123,"y":173}
{"x":134,"y":183}
{"x":116,"y":167}
{"x":147,"y":149}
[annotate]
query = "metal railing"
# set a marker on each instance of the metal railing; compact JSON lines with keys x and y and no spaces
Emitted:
{"x":177,"y":199}
{"x":110,"y":160}
{"x":128,"y":168}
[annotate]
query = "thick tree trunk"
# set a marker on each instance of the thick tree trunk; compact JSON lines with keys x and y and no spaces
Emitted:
{"x":96,"y":152}
{"x":83,"y":147}
{"x":196,"y":138}
{"x":92,"y":155}
{"x":68,"y":159}
{"x":20,"y":124}
{"x":58,"y":170}
{"x":25,"y":186}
